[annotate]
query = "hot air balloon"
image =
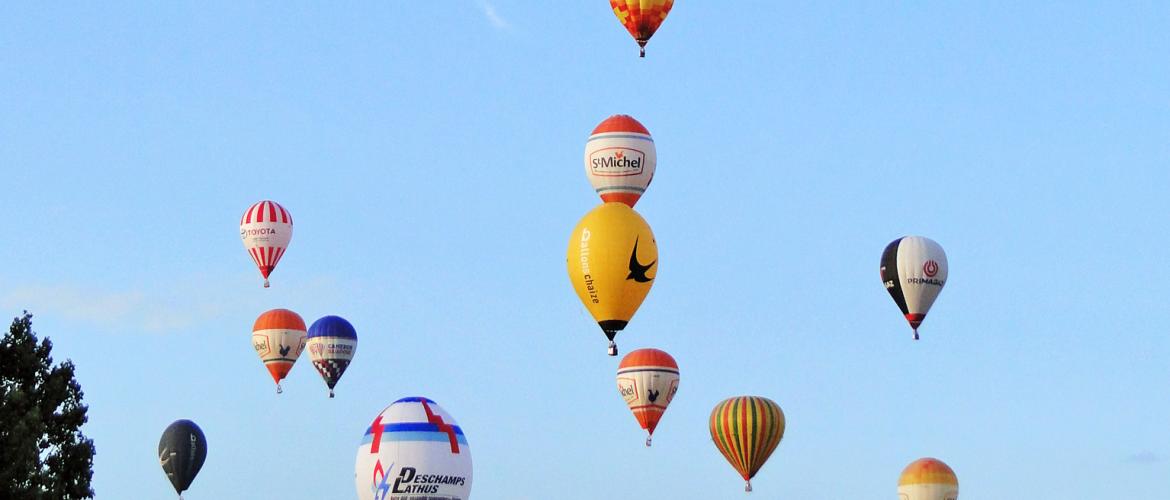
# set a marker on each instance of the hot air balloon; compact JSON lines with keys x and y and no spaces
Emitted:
{"x":620,"y":159}
{"x":612,"y":261}
{"x":914,"y":270}
{"x":413,"y":450}
{"x":647,"y":380}
{"x":641,"y":18}
{"x":746,"y":430}
{"x":182,"y":451}
{"x":928,"y":479}
{"x":266,"y":229}
{"x":332,"y":344}
{"x":279,"y":337}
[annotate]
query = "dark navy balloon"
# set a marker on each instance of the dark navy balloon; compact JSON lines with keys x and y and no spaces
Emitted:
{"x":332,"y":326}
{"x":182,"y":451}
{"x":332,"y":344}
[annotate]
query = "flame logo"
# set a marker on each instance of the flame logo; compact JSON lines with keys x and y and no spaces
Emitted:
{"x":619,"y":155}
{"x":381,"y":483}
{"x":930,"y":268}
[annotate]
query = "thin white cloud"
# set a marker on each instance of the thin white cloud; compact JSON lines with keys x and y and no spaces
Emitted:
{"x":174,"y":305}
{"x":74,"y":303}
{"x":489,"y":11}
{"x":121,"y":310}
{"x":1144,"y":457}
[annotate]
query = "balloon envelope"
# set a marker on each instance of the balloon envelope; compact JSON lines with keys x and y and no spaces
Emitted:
{"x":413,"y":450}
{"x":641,"y":17}
{"x":928,"y":479}
{"x":182,"y":451}
{"x":612,"y":262}
{"x":914,"y":270}
{"x":746,"y":430}
{"x":332,"y":343}
{"x":647,"y":380}
{"x":266,"y":229}
{"x":620,"y":159}
{"x":279,"y":337}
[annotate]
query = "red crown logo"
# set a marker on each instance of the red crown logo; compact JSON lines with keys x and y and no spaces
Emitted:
{"x":930,"y":268}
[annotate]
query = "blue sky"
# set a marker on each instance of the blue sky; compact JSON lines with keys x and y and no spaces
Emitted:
{"x":430,"y":153}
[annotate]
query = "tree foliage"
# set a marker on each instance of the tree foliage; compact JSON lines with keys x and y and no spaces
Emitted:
{"x":43,"y":454}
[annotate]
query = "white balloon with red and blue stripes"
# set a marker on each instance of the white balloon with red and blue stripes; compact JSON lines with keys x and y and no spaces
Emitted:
{"x":266,"y":228}
{"x":413,"y":450}
{"x":620,"y":159}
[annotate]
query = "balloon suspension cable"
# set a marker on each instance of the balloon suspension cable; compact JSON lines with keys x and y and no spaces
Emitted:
{"x":330,"y":393}
{"x":915,"y":334}
{"x":265,"y":282}
{"x":648,"y":441}
{"x":748,"y":486}
{"x":278,"y":389}
{"x":612,"y":348}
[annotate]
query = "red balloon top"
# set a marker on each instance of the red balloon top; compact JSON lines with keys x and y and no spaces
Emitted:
{"x":279,"y":319}
{"x":620,"y":123}
{"x":927,"y":470}
{"x":648,"y":357}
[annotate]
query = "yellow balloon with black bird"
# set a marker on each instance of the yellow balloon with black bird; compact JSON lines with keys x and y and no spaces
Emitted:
{"x":612,"y":261}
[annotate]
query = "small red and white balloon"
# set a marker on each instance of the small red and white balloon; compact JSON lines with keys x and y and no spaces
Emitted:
{"x":266,"y":229}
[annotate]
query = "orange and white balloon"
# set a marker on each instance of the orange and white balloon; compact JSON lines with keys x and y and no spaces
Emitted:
{"x":266,"y":228}
{"x":620,"y":159}
{"x":647,"y":379}
{"x":928,"y":479}
{"x":279,"y":338}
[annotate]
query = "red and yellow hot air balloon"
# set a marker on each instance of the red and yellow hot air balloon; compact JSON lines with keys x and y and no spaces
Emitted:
{"x":647,"y":379}
{"x":641,"y":17}
{"x":279,"y":337}
{"x":746,"y":430}
{"x":620,"y":159}
{"x":928,"y":479}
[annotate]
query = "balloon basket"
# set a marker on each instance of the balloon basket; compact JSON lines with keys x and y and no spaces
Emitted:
{"x":612,"y":348}
{"x":747,"y":486}
{"x":915,"y":334}
{"x":648,"y":441}
{"x":330,"y":393}
{"x":278,"y":388}
{"x":265,"y":283}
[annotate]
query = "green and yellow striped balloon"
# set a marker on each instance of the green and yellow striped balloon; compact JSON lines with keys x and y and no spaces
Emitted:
{"x":747,"y":430}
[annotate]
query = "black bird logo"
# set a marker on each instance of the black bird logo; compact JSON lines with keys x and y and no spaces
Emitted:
{"x":284,"y":349}
{"x":652,"y":395}
{"x":637,"y":270}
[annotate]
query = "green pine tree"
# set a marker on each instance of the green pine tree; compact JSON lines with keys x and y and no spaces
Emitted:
{"x":43,"y":454}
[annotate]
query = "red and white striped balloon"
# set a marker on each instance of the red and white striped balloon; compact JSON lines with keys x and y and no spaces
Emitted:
{"x":266,"y":229}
